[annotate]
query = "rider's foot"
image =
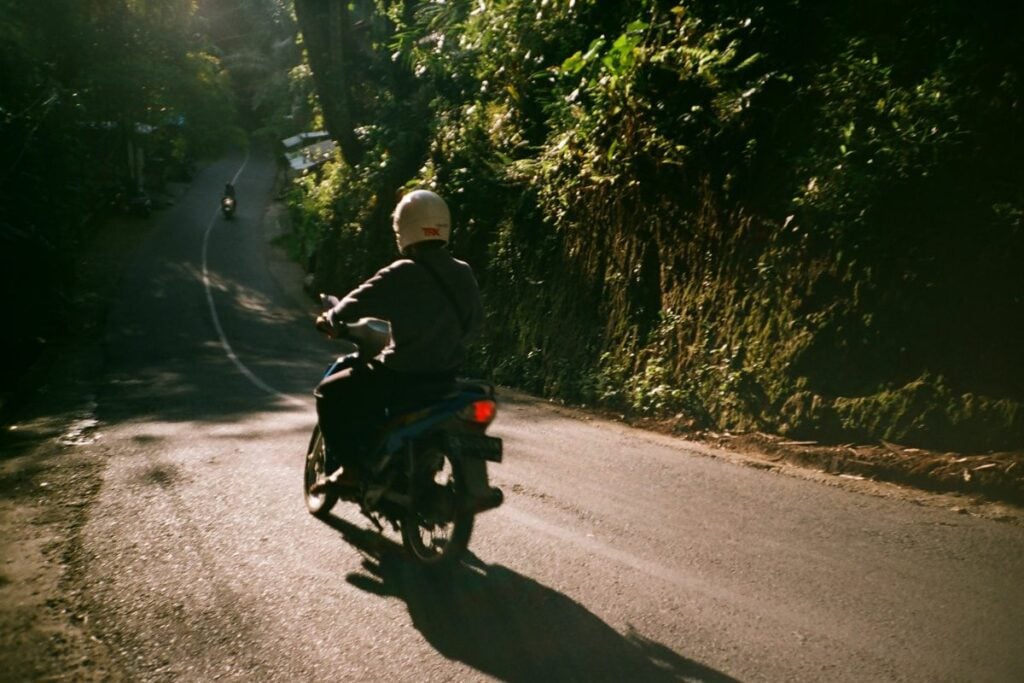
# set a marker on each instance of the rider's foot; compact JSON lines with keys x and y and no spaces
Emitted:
{"x":342,"y":479}
{"x":348,"y":478}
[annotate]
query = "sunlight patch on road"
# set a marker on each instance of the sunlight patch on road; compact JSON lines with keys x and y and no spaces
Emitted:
{"x":596,"y":547}
{"x":82,"y":430}
{"x":252,"y":301}
{"x":752,"y":605}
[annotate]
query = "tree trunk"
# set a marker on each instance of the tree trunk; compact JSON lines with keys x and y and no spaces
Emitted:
{"x":327,"y":32}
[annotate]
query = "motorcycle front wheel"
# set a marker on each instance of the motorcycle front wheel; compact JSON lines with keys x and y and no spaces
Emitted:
{"x":437,"y":532}
{"x":318,"y":504}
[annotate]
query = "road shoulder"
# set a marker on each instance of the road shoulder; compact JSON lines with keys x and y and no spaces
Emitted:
{"x":989,"y":486}
{"x":50,"y":471}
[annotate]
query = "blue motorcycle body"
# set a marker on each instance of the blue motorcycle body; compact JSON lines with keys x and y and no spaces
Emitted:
{"x":425,"y":471}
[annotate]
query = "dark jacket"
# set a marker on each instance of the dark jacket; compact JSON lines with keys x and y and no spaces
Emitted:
{"x":429,"y":332}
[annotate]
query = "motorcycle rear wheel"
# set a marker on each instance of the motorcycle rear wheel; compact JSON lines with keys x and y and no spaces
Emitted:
{"x":318,"y":504}
{"x":436,"y":544}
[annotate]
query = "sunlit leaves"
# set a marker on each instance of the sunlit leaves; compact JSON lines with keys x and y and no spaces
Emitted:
{"x":773,"y":153}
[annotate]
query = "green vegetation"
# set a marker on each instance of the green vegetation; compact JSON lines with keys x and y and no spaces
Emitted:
{"x":103,"y":100}
{"x":795,"y":216}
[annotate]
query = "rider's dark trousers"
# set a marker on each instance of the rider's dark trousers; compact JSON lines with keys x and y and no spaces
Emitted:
{"x":350,"y":405}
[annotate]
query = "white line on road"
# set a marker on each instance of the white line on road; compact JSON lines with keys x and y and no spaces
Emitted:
{"x":225,"y":344}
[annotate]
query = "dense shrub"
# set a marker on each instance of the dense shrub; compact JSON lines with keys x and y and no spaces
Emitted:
{"x":789,"y":216}
{"x":83,"y":84}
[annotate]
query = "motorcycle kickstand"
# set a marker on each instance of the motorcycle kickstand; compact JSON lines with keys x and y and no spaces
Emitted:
{"x":372,"y":517}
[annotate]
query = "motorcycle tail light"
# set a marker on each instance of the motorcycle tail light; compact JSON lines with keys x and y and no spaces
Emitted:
{"x":479,"y":412}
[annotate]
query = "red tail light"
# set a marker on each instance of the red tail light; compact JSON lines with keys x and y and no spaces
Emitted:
{"x":479,"y":412}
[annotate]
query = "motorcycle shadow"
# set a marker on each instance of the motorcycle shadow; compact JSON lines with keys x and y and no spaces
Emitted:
{"x":509,"y":626}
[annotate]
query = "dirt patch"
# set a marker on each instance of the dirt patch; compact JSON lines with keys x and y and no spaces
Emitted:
{"x":48,"y":480}
{"x":988,"y":477}
{"x":44,"y":626}
{"x":995,"y":476}
{"x":989,"y":484}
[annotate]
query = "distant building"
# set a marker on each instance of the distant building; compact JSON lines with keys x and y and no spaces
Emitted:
{"x":308,"y":150}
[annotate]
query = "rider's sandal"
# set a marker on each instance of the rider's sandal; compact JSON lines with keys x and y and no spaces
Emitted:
{"x":342,"y":479}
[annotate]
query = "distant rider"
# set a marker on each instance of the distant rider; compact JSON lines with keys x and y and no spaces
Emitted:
{"x":432,"y":302}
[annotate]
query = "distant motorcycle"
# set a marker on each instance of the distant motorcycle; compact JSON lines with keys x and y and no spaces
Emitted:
{"x":227,"y":207}
{"x":427,"y":471}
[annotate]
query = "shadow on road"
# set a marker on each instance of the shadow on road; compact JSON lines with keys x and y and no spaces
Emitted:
{"x":509,"y":626}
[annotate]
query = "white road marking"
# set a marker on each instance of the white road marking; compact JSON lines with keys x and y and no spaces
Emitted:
{"x":225,"y":344}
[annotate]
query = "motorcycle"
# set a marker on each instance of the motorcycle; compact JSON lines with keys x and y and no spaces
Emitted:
{"x":227,"y":207}
{"x":427,"y":471}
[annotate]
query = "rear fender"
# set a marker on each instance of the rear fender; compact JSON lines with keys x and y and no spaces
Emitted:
{"x":475,"y":472}
{"x":431,"y":420}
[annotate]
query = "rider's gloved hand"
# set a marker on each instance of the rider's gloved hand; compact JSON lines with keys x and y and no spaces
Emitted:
{"x":326,"y":325}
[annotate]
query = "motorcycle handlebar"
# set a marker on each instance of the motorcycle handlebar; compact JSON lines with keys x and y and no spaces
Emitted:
{"x":371,"y":335}
{"x":323,"y":321}
{"x":323,"y":324}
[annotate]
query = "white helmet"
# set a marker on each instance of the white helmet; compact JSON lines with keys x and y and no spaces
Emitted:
{"x":421,"y":216}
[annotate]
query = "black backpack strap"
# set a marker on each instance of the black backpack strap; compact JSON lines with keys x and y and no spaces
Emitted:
{"x":447,"y":291}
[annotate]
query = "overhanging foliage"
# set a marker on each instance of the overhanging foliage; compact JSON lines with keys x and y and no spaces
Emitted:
{"x":793,"y":216}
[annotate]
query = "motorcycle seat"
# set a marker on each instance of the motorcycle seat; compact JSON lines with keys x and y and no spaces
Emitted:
{"x":409,"y":408}
{"x":424,"y":396}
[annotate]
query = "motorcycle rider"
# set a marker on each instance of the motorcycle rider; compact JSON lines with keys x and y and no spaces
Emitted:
{"x":432,"y":302}
{"x":227,"y":202}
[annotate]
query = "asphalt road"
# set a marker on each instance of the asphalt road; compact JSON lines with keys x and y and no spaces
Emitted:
{"x":619,"y":555}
